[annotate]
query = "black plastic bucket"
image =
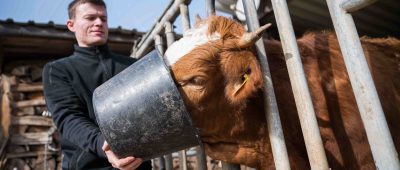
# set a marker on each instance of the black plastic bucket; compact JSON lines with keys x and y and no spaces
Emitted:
{"x":141,"y":113}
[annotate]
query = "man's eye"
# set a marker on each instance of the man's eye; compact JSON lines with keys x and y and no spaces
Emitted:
{"x":90,"y":18}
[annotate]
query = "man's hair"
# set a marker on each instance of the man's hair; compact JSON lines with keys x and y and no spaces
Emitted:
{"x":72,"y":6}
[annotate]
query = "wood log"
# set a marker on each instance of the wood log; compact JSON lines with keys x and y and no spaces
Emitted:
{"x":1,"y":58}
{"x":29,"y":154}
{"x":31,"y":120}
{"x":28,"y":87}
{"x":37,"y":138}
{"x":20,"y":71}
{"x":24,"y":111}
{"x":27,"y":103}
{"x":5,"y":105}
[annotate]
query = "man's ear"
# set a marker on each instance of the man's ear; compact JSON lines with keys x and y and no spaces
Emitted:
{"x":70,"y":25}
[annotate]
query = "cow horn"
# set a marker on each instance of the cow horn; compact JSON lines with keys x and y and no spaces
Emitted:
{"x":198,"y":19}
{"x":249,"y":38}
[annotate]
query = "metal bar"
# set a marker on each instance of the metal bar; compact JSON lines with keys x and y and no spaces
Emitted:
{"x":168,"y":162}
{"x":169,"y":33}
{"x":275,"y":132}
{"x":229,"y":166}
{"x":183,"y":160}
{"x":161,"y":162}
{"x":308,"y":121}
{"x":201,"y":158}
{"x":1,"y":70}
{"x":210,"y":7}
{"x":185,"y":17}
{"x":159,"y":19}
{"x":159,"y":43}
{"x":354,"y":5}
{"x":379,"y":138}
{"x":170,"y":15}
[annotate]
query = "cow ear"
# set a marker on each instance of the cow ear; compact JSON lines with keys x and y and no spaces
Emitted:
{"x":243,"y":78}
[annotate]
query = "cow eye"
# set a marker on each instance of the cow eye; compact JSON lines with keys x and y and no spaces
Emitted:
{"x":197,"y":81}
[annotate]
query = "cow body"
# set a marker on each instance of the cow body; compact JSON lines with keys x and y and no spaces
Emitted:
{"x":221,"y":83}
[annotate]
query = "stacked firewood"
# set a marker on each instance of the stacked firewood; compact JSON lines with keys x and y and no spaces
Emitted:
{"x":32,"y":140}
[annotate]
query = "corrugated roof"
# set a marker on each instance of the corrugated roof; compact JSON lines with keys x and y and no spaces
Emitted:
{"x":51,"y":30}
{"x":30,"y":39}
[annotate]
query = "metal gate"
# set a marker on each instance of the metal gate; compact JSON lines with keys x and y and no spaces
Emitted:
{"x":380,"y":140}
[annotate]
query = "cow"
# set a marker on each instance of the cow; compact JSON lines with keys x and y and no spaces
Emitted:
{"x":219,"y":77}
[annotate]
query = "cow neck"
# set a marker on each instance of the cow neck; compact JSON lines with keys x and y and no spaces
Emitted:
{"x":191,"y":39}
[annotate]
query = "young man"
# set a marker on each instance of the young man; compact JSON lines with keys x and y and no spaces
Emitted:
{"x":69,"y":84}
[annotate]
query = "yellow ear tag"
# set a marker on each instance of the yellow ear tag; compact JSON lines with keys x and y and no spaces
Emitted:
{"x":246,"y":78}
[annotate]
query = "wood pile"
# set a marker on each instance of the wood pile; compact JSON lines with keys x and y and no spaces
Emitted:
{"x":29,"y":137}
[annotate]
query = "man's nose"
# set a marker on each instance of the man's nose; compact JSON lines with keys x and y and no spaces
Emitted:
{"x":98,"y":21}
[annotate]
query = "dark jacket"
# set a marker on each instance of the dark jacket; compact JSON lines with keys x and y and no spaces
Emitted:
{"x":68,"y":87}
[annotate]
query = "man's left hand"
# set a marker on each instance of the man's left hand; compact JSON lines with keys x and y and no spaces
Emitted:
{"x":127,"y":163}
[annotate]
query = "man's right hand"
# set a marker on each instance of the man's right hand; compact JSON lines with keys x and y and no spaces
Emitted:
{"x":127,"y":163}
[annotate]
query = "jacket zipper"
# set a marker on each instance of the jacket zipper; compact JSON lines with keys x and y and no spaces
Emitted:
{"x":108,"y":74}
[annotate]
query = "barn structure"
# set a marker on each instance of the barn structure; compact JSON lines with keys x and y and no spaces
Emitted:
{"x":28,"y":137}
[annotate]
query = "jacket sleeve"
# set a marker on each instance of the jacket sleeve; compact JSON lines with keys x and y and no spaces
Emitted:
{"x":69,"y":111}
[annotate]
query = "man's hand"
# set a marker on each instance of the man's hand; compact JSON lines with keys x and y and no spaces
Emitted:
{"x":127,"y":163}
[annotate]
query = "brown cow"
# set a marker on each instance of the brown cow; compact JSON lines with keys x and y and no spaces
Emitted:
{"x":221,"y":83}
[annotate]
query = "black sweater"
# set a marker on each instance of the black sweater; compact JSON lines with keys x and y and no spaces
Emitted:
{"x":68,"y":87}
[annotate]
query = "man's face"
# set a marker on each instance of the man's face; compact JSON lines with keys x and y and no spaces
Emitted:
{"x":89,"y":25}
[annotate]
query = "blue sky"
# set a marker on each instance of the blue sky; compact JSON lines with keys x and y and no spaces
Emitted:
{"x":129,"y":14}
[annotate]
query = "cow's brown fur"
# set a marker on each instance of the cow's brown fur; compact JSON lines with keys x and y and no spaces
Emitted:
{"x":233,"y":126}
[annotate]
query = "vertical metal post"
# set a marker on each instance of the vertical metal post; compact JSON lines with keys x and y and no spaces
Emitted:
{"x":308,"y":121}
{"x":371,"y":111}
{"x":275,"y":132}
{"x":159,"y":43}
{"x":168,"y":162}
{"x":210,"y":7}
{"x":229,"y":166}
{"x":185,"y":17}
{"x":161,"y":163}
{"x":169,"y":33}
{"x":183,"y":160}
{"x":1,"y":60}
{"x":201,"y":158}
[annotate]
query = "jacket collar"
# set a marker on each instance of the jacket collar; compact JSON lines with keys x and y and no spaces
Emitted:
{"x":92,"y":51}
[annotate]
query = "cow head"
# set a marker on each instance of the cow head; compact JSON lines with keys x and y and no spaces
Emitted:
{"x":217,"y":74}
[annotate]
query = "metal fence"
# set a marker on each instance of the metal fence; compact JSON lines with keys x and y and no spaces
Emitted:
{"x":381,"y":142}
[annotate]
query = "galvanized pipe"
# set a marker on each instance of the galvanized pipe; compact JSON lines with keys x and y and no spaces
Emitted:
{"x":308,"y":121}
{"x":275,"y":132}
{"x":161,"y":162}
{"x":378,"y":134}
{"x":152,"y":28}
{"x":201,"y":158}
{"x":354,"y":5}
{"x":169,"y":33}
{"x":210,"y":7}
{"x":168,"y":162}
{"x":170,"y":15}
{"x":185,"y":17}
{"x":159,"y":43}
{"x":183,"y":160}
{"x":229,"y":166}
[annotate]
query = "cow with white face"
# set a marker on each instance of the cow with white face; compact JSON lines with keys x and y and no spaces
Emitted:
{"x":220,"y":79}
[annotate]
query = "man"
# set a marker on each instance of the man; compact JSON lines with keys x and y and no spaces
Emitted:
{"x":69,"y":84}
